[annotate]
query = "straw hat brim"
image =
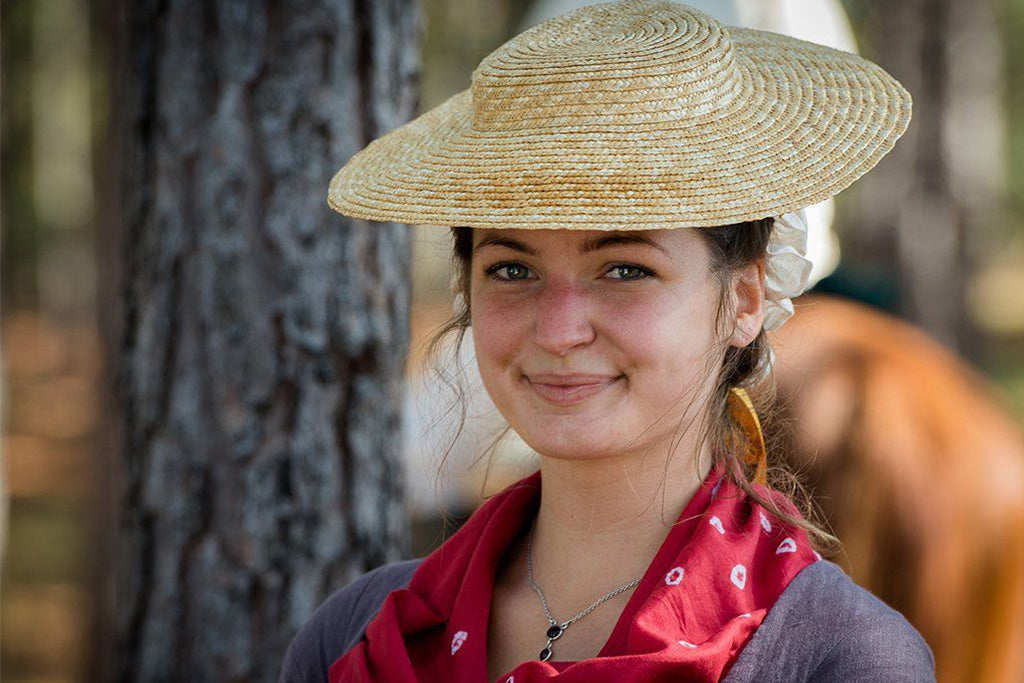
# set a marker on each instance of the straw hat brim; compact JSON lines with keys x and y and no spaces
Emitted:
{"x":813,"y":120}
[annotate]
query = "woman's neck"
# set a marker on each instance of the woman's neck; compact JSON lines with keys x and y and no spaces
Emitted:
{"x":600,"y":523}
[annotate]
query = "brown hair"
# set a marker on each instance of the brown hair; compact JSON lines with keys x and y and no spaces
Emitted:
{"x":731,"y":247}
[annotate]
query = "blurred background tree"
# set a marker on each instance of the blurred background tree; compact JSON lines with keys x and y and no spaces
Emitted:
{"x":935,"y":212}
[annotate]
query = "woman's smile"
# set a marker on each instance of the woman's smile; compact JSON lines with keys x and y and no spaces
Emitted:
{"x":567,"y":394}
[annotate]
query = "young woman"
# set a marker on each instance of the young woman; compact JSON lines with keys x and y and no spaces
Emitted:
{"x":624,"y":185}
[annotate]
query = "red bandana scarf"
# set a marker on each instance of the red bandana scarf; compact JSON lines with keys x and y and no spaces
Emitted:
{"x":718,"y":572}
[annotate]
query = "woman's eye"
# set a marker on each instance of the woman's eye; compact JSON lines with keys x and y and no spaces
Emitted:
{"x":627,"y":271}
{"x":513,"y":267}
{"x":639,"y":272}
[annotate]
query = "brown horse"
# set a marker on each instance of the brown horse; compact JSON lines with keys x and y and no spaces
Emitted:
{"x":918,"y":464}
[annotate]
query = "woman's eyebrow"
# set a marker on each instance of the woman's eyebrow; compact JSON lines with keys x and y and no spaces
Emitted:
{"x":588,"y":245}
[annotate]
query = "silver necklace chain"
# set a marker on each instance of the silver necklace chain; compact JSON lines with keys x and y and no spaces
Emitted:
{"x":555,"y":630}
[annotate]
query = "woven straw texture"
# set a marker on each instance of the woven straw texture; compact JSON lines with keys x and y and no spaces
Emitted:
{"x":633,"y":115}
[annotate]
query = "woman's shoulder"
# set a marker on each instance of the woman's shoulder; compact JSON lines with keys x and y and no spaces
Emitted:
{"x":338,"y":623}
{"x":825,"y":627}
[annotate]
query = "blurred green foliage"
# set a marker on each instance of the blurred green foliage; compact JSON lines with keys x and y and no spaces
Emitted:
{"x":47,"y":542}
{"x":20,"y":248}
{"x":1012,"y":21}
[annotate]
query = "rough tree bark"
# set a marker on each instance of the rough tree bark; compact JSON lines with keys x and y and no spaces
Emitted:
{"x":260,"y":337}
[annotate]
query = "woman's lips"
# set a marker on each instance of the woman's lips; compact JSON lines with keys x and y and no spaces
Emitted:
{"x":567,"y":395}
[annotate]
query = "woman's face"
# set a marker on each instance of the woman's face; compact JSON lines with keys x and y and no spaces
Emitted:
{"x":626,"y":316}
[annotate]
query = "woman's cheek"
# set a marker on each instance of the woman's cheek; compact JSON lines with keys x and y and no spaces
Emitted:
{"x":497,"y":329}
{"x":638,"y":324}
{"x":661,"y":342}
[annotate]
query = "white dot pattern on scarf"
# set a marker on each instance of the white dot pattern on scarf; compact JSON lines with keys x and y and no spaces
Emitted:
{"x":674,"y":576}
{"x":457,"y":640}
{"x":788,"y":545}
{"x":738,"y":576}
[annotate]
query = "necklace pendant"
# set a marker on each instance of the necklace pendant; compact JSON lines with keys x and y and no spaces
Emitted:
{"x":545,"y":654}
{"x":555,"y":632}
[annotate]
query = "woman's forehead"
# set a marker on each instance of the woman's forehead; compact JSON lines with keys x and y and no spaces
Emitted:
{"x":535,"y":241}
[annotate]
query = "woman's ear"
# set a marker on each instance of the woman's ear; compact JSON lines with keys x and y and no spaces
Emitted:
{"x":748,"y":296}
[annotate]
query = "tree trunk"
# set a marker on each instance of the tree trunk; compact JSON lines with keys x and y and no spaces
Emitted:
{"x":260,"y":338}
{"x":934,"y":202}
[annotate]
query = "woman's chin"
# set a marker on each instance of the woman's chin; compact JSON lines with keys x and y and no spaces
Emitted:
{"x":569,"y":444}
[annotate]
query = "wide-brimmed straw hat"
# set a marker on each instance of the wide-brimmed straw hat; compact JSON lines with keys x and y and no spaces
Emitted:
{"x":633,"y":115}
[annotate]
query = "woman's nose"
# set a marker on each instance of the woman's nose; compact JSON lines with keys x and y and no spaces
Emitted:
{"x":562,"y":318}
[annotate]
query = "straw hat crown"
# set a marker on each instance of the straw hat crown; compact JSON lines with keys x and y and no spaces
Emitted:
{"x":638,"y":114}
{"x":635,"y":63}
